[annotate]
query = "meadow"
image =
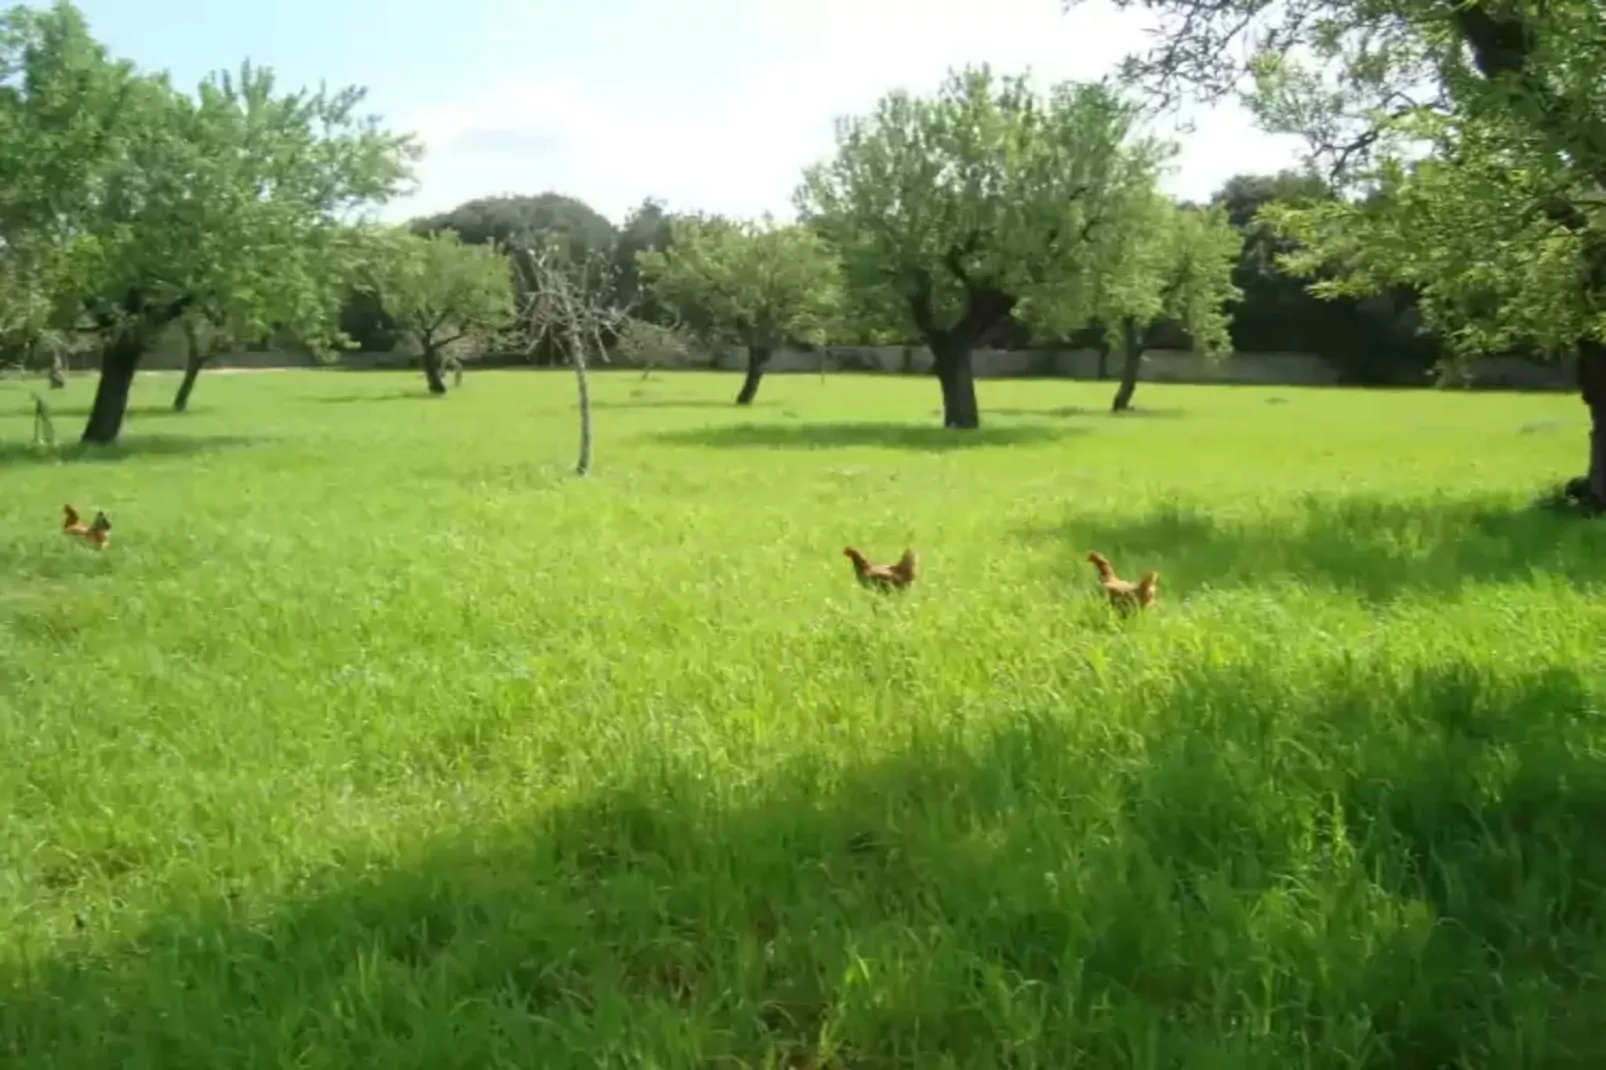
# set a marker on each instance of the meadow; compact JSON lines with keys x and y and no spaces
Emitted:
{"x":378,"y":739}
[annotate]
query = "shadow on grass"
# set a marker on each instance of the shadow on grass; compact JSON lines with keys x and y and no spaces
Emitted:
{"x":1067,"y":412}
{"x":1380,"y":549}
{"x":15,"y":454}
{"x":671,"y":403}
{"x":1335,"y":866}
{"x":810,"y":436}
{"x":135,"y":412}
{"x":391,"y":395}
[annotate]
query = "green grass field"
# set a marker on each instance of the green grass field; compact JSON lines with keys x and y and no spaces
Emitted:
{"x":377,"y":739}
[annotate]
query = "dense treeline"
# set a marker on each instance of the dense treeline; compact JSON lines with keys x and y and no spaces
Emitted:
{"x":1368,"y":340}
{"x":984,"y":214}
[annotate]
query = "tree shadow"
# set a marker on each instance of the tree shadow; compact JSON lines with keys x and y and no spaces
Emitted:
{"x":671,"y":403}
{"x":18,"y":454}
{"x":813,"y":436}
{"x":1381,"y":549}
{"x":393,"y":395}
{"x":1333,"y":867}
{"x":1068,"y":412}
{"x":145,"y":411}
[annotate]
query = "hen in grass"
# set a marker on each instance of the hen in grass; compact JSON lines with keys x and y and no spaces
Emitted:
{"x":1125,"y":595}
{"x":97,"y":533}
{"x":883,"y":577}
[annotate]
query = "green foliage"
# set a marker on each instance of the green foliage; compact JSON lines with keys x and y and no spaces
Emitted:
{"x":1477,"y":130}
{"x":1171,"y":262}
{"x":66,"y":111}
{"x":1494,"y":273}
{"x":1375,"y":338}
{"x":1196,"y":286}
{"x":440,"y":761}
{"x":128,"y":203}
{"x":986,"y":186}
{"x":759,"y":283}
{"x":233,"y":199}
{"x":647,"y":227}
{"x":439,"y":289}
{"x":550,"y":217}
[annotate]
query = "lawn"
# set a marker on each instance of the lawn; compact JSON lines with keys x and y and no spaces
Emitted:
{"x":378,"y":739}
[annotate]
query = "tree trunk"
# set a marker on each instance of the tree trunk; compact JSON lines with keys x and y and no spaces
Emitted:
{"x":1104,"y":358}
{"x":119,"y":360}
{"x":186,"y":386}
{"x":192,"y":368}
{"x":952,"y":365}
{"x":757,"y":358}
{"x":583,"y":388}
{"x":1592,"y":387}
{"x":1131,"y":360}
{"x":433,"y":365}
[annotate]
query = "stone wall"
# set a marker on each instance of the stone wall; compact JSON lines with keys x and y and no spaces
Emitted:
{"x":1159,"y":365}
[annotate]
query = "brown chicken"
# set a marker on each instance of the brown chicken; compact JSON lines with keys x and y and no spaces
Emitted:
{"x":883,"y":577}
{"x":1125,"y":595}
{"x":97,"y":533}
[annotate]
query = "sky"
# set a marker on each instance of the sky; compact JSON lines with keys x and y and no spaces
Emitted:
{"x":711,"y":105}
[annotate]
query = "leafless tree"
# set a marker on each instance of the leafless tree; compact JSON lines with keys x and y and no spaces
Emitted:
{"x":650,"y":346}
{"x":568,"y":304}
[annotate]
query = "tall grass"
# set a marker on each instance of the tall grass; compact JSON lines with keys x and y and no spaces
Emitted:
{"x":377,"y":739}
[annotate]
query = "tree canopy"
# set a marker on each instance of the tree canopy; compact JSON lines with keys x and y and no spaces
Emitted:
{"x":1474,"y":134}
{"x":549,"y":217}
{"x":135,"y":202}
{"x":758,"y":283}
{"x":953,"y":210}
{"x":440,"y":291}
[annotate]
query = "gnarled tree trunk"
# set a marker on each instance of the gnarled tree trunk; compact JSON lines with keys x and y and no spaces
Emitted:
{"x":952,"y":347}
{"x":193,"y":362}
{"x":1131,"y":361}
{"x":433,"y":368}
{"x":119,"y":360}
{"x":955,"y":371}
{"x":757,"y":358}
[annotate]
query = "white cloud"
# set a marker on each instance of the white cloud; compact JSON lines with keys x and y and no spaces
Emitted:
{"x":731,"y":128}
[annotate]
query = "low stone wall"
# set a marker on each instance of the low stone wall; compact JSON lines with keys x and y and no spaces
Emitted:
{"x":1159,"y":365}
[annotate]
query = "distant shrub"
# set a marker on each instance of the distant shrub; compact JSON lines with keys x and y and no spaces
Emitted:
{"x":651,"y":345}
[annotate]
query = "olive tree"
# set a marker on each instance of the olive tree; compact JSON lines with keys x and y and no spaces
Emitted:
{"x":1173,"y":262}
{"x":149,"y":201}
{"x":440,"y":291}
{"x":951,"y":211}
{"x":1470,"y":137}
{"x":758,"y":283}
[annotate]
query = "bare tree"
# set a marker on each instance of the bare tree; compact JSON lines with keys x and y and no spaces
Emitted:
{"x":651,"y":346}
{"x":568,"y":304}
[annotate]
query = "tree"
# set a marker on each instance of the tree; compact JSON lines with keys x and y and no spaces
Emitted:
{"x":1182,"y":272}
{"x":440,"y":291}
{"x":761,"y":284}
{"x":580,"y":229}
{"x":62,"y":107}
{"x":647,"y":227}
{"x":570,"y":304}
{"x":148,"y":202}
{"x":952,"y":211}
{"x":1481,"y":90}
